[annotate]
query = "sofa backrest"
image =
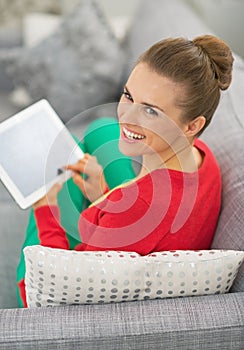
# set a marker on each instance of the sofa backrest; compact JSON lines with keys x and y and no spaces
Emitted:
{"x":225,"y":135}
{"x":226,"y":138}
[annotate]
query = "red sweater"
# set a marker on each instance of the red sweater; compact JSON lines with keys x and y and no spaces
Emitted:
{"x":164,"y":210}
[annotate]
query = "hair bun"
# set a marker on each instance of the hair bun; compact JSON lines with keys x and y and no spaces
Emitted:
{"x":220,"y":57}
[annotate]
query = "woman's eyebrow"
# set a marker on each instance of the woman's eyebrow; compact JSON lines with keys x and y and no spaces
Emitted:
{"x":144,"y":103}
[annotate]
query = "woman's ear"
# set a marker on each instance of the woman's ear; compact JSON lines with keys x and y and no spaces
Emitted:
{"x":195,"y":126}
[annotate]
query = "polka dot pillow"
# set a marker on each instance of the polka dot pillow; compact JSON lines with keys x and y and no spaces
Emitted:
{"x":58,"y":277}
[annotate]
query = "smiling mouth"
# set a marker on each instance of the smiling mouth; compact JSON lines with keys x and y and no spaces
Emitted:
{"x":132,"y":135}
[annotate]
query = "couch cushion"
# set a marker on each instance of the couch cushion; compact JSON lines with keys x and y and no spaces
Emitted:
{"x":77,"y":67}
{"x":57,"y":277}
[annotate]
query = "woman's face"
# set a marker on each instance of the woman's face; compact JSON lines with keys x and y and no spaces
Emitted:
{"x":148,"y":114}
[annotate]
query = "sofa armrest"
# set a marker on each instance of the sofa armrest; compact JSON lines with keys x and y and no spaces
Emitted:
{"x":206,"y":322}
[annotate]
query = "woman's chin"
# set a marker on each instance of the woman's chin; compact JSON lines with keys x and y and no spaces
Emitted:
{"x":131,"y":149}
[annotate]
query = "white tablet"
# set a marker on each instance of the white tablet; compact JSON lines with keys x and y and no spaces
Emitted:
{"x":35,"y":145}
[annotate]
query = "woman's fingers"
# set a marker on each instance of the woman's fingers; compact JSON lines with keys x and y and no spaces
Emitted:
{"x":80,"y":165}
{"x":79,"y":181}
{"x":93,"y":184}
{"x":82,"y":184}
{"x":79,"y":168}
{"x":87,"y":165}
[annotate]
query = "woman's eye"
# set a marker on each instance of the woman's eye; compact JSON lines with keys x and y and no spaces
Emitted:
{"x":127,"y":96}
{"x":151,"y":111}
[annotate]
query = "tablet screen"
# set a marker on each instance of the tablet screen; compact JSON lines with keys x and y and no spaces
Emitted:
{"x":34,"y":146}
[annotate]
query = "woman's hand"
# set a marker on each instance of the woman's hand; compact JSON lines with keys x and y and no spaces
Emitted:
{"x":93,"y":185}
{"x":50,"y":198}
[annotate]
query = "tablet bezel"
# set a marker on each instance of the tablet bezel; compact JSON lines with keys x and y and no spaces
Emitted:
{"x":43,"y":105}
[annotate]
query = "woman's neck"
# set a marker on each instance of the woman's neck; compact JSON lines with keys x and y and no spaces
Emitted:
{"x":186,"y":159}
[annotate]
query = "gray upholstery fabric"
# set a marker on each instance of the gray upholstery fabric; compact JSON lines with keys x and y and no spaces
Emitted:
{"x":158,"y":19}
{"x":78,"y":67}
{"x":12,"y":228}
{"x":226,"y":138}
{"x":213,"y":322}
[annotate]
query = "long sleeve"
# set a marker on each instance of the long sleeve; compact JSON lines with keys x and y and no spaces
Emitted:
{"x":50,"y":232}
{"x":123,"y":222}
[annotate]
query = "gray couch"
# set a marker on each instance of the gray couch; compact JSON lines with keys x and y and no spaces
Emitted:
{"x":189,"y":323}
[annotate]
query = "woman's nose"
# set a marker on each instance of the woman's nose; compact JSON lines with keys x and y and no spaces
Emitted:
{"x":128,"y":112}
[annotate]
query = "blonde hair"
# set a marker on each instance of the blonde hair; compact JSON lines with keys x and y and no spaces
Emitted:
{"x":203,"y":66}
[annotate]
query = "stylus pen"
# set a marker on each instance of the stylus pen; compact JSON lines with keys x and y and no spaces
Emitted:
{"x":60,"y":171}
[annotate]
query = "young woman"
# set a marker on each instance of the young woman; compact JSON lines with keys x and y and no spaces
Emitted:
{"x":174,"y":201}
